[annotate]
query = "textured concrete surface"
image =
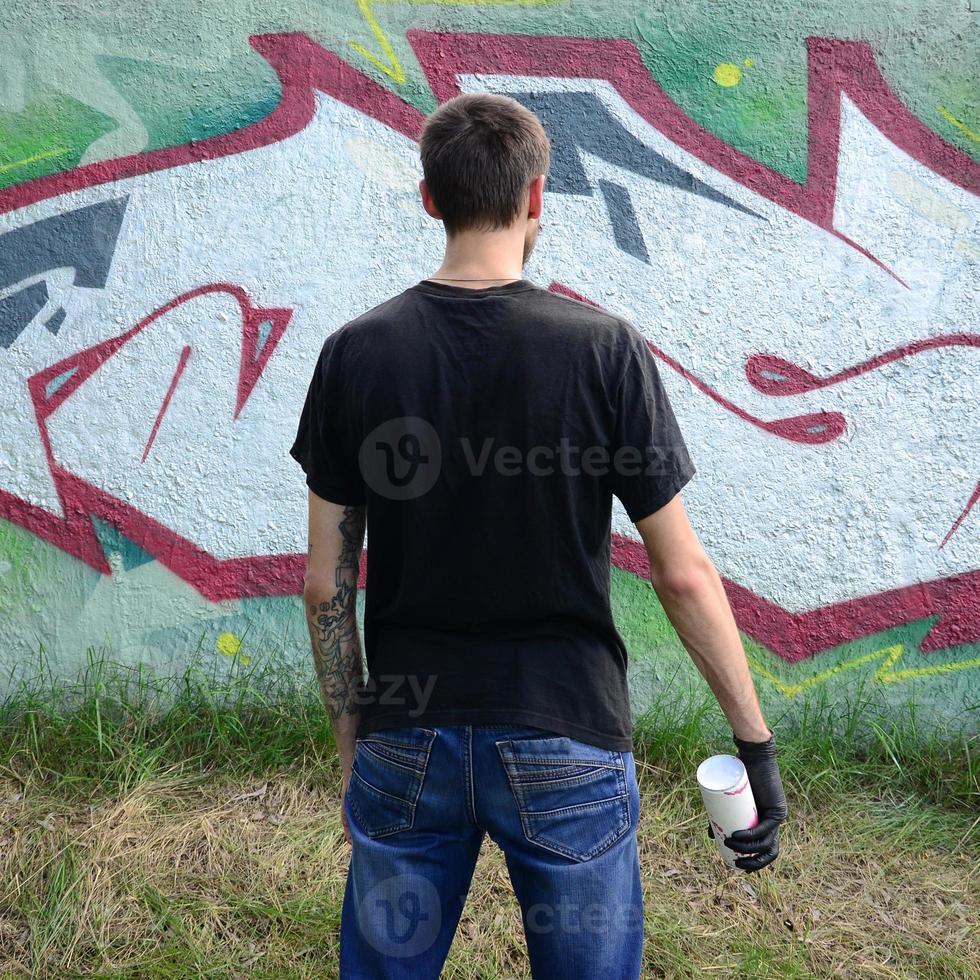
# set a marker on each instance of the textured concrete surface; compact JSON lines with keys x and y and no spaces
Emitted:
{"x":783,"y":200}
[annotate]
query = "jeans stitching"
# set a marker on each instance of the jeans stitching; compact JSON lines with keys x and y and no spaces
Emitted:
{"x":388,"y":828}
{"x":577,"y":773}
{"x":517,"y":787}
{"x":376,"y":737}
{"x":626,"y":790}
{"x":392,"y":762}
{"x":418,"y":779}
{"x":564,"y":760}
{"x":422,"y":775}
{"x":403,"y":746}
{"x":614,"y":835}
{"x":577,"y":806}
{"x":470,"y":799}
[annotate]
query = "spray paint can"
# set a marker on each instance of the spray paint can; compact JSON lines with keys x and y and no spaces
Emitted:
{"x":728,"y":798}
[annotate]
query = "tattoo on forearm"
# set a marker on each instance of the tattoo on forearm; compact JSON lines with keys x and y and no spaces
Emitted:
{"x":333,"y":624}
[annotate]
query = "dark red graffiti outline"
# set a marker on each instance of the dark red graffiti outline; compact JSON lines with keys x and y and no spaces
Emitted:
{"x":834,"y":68}
{"x":796,"y":636}
{"x":796,"y":630}
{"x":85,"y":362}
{"x":303,"y":67}
{"x":74,"y":533}
{"x":812,"y":429}
{"x":165,"y":404}
{"x":970,"y":504}
{"x":774,"y":375}
{"x":817,"y":427}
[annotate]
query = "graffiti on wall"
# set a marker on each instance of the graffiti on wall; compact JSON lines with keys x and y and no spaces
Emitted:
{"x":159,"y":313}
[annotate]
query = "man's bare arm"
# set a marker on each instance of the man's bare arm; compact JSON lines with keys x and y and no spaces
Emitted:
{"x":336,"y":537}
{"x":692,"y":594}
{"x":694,"y":599}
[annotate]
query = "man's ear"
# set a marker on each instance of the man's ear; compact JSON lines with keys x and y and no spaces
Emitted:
{"x":427,"y":202}
{"x":535,"y":201}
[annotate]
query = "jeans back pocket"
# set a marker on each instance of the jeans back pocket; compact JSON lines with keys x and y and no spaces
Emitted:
{"x":572,"y":797}
{"x":386,"y":779}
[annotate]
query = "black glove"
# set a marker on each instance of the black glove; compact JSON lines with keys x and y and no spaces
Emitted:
{"x":762,"y":840}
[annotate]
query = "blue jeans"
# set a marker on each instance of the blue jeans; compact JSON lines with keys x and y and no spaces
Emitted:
{"x":564,"y":813}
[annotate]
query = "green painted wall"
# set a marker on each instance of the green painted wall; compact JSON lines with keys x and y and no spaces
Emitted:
{"x":80,"y":84}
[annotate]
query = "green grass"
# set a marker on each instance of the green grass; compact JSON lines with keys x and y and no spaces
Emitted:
{"x":188,"y":826}
{"x":115,"y":726}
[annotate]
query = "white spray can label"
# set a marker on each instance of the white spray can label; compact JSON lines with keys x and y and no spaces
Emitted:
{"x":728,"y":798}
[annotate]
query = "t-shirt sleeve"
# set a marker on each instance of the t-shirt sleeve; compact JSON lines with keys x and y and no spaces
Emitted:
{"x":650,"y":460}
{"x":322,"y":445}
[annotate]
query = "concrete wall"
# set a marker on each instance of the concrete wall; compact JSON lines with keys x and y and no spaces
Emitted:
{"x":783,"y":200}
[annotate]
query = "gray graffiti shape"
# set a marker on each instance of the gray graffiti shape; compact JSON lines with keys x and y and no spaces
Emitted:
{"x":83,"y":240}
{"x":575,"y":120}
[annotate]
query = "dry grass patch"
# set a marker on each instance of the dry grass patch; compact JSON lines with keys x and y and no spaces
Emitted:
{"x":187,"y":875}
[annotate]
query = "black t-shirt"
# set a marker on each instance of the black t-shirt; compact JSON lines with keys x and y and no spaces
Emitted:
{"x":487,"y":431}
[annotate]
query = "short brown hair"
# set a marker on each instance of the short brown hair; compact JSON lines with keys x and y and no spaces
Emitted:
{"x":479,"y":153}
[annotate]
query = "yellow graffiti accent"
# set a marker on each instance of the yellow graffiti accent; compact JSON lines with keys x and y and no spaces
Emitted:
{"x":748,"y":62}
{"x":392,"y":67}
{"x":901,"y":675}
{"x":229,"y":645}
{"x":37,"y":156}
{"x":727,"y":75}
{"x":884,"y":674}
{"x":961,"y":126}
